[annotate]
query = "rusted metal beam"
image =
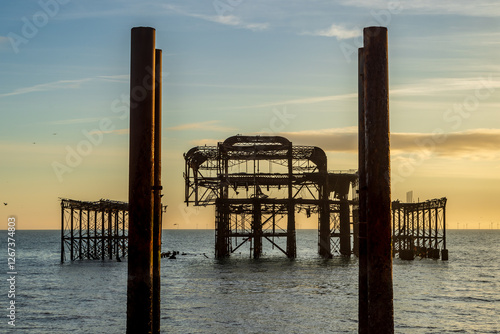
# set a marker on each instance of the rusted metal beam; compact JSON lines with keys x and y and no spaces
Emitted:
{"x":378,"y":194}
{"x":140,"y":268}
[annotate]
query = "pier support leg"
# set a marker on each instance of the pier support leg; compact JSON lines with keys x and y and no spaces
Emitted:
{"x":140,"y":269}
{"x":257,"y":229}
{"x":345,"y":228}
{"x":157,"y":222}
{"x":363,"y":274}
{"x":378,"y":183}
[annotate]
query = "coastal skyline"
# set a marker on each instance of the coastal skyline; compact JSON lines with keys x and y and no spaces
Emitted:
{"x":241,"y":67}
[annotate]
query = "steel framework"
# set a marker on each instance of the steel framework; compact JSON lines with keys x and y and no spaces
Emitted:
{"x":419,"y":229}
{"x":93,"y":230}
{"x":257,"y":185}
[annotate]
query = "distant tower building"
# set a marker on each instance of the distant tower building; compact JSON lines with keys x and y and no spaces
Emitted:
{"x":409,"y":196}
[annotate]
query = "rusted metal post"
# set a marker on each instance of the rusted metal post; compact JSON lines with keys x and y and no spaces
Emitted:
{"x":62,"y":231}
{"x":257,"y":228}
{"x":345,"y":227}
{"x":140,"y":260}
{"x":378,"y":183}
{"x":444,"y":251}
{"x":157,"y":223}
{"x":363,"y":275}
{"x":291,"y":245}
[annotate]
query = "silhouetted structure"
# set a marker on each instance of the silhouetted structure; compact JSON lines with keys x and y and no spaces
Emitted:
{"x":419,"y":229}
{"x":259,"y":183}
{"x":93,"y":230}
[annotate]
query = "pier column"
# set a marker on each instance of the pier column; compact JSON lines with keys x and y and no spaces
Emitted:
{"x":345,"y":227}
{"x":257,"y":228}
{"x":291,"y":245}
{"x":157,"y":218}
{"x":378,"y":183}
{"x":140,"y":260}
{"x":363,"y":274}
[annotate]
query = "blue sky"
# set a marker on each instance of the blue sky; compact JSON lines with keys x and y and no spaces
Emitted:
{"x":232,"y":66}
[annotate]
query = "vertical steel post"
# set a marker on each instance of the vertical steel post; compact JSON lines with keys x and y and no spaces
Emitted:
{"x":345,"y":227}
{"x":444,"y":251}
{"x":62,"y":231}
{"x":110,"y":234}
{"x":103,"y":234}
{"x":291,"y":244}
{"x":257,"y":228}
{"x":88,"y":233}
{"x":80,"y":255}
{"x":363,"y":274}
{"x":157,"y":223}
{"x":140,"y":260}
{"x":377,"y":164}
{"x":72,"y":238}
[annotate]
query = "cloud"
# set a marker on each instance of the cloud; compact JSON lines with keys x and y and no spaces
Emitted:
{"x":336,"y":31}
{"x":75,"y":121}
{"x":230,"y":20}
{"x":205,"y":142}
{"x":308,"y":100}
{"x":481,"y":86}
{"x":207,"y":126}
{"x":333,"y":140}
{"x":471,"y":144}
{"x":485,"y":8}
{"x":116,"y":132}
{"x":57,"y":85}
{"x":439,"y":85}
{"x":115,"y":78}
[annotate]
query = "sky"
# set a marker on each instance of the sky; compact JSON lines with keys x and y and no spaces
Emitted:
{"x":236,"y":67}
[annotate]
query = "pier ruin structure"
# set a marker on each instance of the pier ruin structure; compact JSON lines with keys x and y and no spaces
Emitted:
{"x":259,"y":183}
{"x":93,"y":230}
{"x":419,"y":229}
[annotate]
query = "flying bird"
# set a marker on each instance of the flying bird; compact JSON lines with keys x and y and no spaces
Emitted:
{"x":4,"y":203}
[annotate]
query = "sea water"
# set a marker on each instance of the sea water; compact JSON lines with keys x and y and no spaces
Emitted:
{"x":201,"y":294}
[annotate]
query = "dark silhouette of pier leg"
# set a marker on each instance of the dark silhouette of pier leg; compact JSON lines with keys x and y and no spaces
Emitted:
{"x":363,"y":274}
{"x":140,"y":269}
{"x":345,"y":227}
{"x":378,"y":183}
{"x":257,"y":228}
{"x":157,"y":222}
{"x":291,"y":244}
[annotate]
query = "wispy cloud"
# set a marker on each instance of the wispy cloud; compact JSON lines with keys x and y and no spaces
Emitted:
{"x":230,"y":20}
{"x":75,"y":121}
{"x":439,"y":85}
{"x":337,"y":31}
{"x":471,"y":144}
{"x":307,"y":100}
{"x":486,"y":8}
{"x":207,"y":126}
{"x":115,"y":78}
{"x":426,"y":87}
{"x":115,"y":132}
{"x":57,"y":85}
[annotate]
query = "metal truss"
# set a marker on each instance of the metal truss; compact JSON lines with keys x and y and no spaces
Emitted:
{"x":93,"y":230}
{"x":419,"y":229}
{"x":259,"y":183}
